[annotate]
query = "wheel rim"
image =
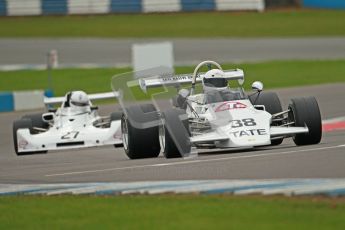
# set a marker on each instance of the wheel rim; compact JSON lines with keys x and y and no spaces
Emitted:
{"x":161,"y":131}
{"x":291,"y":115}
{"x":124,"y":129}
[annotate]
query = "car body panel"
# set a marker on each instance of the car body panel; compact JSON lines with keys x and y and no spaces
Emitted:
{"x":68,"y":138}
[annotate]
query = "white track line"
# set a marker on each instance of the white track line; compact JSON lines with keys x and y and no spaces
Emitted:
{"x":194,"y":161}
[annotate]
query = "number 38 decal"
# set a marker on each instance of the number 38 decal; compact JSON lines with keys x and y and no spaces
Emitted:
{"x":243,"y":122}
{"x":70,"y":135}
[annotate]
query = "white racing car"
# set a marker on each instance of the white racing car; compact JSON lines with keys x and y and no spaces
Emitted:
{"x":76,"y":124}
{"x":218,"y":117}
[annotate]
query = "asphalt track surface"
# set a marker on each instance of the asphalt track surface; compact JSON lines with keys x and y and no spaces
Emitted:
{"x":107,"y":164}
{"x":117,"y":52}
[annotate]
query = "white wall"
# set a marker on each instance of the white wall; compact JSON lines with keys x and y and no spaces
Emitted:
{"x":161,"y":5}
{"x":26,"y":100}
{"x":152,"y":55}
{"x":88,"y":6}
{"x":258,"y":5}
{"x":20,"y":7}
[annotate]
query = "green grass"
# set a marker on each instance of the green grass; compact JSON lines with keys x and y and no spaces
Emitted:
{"x":287,"y":23}
{"x":273,"y":74}
{"x":63,"y":80}
{"x":170,"y":212}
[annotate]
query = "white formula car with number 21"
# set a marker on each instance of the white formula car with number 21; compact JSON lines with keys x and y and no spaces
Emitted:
{"x":219,"y":116}
{"x":75,"y":124}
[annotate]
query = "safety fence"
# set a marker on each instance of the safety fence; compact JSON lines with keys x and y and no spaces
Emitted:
{"x":65,"y":7}
{"x":23,"y":100}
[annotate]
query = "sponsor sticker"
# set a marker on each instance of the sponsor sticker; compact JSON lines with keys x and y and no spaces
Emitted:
{"x":229,"y":105}
{"x":22,"y":144}
{"x":249,"y":132}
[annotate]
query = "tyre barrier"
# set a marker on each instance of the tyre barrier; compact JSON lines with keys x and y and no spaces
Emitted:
{"x":23,"y":100}
{"x":65,"y":7}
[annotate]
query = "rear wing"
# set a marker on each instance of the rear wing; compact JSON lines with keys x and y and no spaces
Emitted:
{"x":176,"y":80}
{"x":92,"y":97}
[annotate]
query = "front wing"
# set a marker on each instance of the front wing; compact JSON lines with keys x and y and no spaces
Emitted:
{"x":224,"y":140}
{"x":69,"y":139}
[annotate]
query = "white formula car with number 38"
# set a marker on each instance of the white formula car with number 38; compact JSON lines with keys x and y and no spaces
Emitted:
{"x":75,"y":124}
{"x":219,"y":117}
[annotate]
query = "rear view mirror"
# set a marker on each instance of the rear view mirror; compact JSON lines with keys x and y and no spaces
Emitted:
{"x":258,"y":86}
{"x":184,"y":93}
{"x":48,"y":117}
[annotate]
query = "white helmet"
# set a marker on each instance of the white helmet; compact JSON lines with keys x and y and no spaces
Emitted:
{"x":214,"y":79}
{"x":79,"y":101}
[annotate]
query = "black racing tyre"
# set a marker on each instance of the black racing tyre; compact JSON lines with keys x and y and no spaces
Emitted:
{"x":37,"y":121}
{"x":174,"y":134}
{"x":305,"y":111}
{"x":272,"y":105}
{"x":22,"y":124}
{"x":115,"y":116}
{"x":139,"y":126}
{"x":179,"y":102}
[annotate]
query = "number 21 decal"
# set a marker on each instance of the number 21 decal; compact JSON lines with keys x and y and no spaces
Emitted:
{"x":70,"y":135}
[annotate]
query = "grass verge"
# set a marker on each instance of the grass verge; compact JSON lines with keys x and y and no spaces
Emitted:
{"x":287,"y":23}
{"x":273,"y":74}
{"x":171,"y":212}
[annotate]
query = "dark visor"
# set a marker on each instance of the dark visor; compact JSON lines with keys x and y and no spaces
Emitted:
{"x":79,"y":103}
{"x":215,"y":82}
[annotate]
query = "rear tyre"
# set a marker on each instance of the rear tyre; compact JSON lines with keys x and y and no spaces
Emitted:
{"x":306,"y":112}
{"x":116,"y":116}
{"x":174,"y":134}
{"x":179,"y":102}
{"x":139,"y":128}
{"x":22,"y":124}
{"x":272,"y":105}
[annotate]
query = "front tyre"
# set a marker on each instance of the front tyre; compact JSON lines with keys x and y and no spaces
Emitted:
{"x":22,"y":124}
{"x":37,"y":122}
{"x":139,"y":128}
{"x":174,"y":134}
{"x":115,"y":116}
{"x":306,"y":112}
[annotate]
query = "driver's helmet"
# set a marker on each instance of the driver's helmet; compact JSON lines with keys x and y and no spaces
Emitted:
{"x":214,"y":79}
{"x":79,"y":101}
